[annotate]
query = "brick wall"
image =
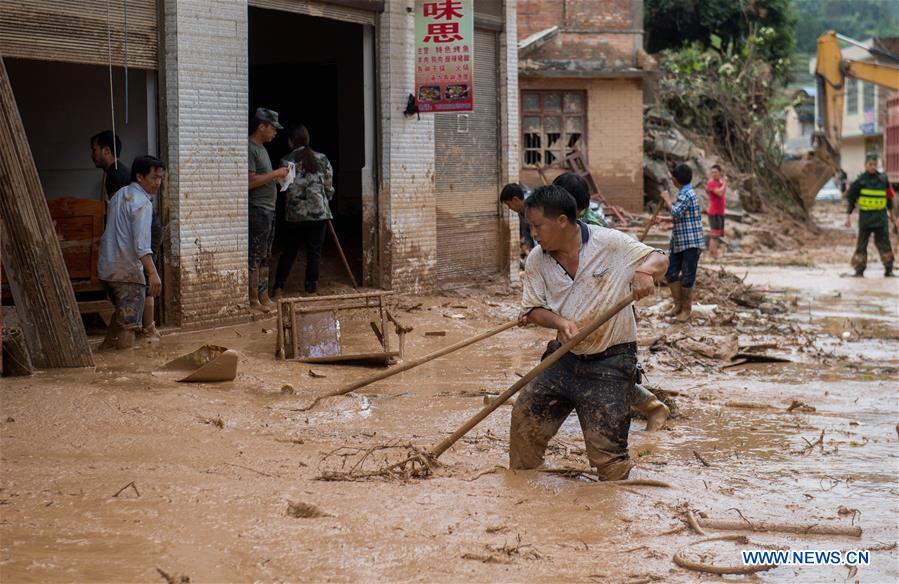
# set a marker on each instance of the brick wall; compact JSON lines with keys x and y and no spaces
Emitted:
{"x":537,"y":15}
{"x":614,"y":136}
{"x":594,"y":34}
{"x":406,"y":196}
{"x":205,"y":76}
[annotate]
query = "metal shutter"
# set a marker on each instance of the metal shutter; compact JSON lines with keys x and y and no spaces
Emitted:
{"x":76,"y":31}
{"x":467,"y":176}
{"x":325,"y":10}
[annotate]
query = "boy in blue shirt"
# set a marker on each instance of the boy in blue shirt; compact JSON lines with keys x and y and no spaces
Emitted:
{"x":687,"y":242}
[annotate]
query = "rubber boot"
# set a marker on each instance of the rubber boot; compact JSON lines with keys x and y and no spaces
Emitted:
{"x":149,"y":332}
{"x":656,"y":413}
{"x":859,"y":262}
{"x":126,"y":338}
{"x":676,"y":292}
{"x":888,"y":270}
{"x":263,"y":278}
{"x":112,"y":334}
{"x":686,"y":305}
{"x":264,"y":300}
{"x":253,"y":292}
{"x":311,"y":287}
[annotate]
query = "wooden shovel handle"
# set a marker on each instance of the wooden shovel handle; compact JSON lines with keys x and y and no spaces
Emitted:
{"x":411,"y":364}
{"x":652,"y":221}
{"x":503,"y":397}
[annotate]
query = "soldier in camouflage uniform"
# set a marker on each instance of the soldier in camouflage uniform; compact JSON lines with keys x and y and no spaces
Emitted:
{"x":872,"y":193}
{"x":306,"y":210}
{"x":577,"y":188}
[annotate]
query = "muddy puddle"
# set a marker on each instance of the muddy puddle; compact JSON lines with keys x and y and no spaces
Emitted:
{"x":115,"y":473}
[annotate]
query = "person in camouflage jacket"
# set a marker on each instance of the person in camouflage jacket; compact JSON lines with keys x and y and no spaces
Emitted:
{"x":306,"y":210}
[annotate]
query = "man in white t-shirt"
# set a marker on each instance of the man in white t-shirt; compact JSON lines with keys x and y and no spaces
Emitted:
{"x":576,"y":273}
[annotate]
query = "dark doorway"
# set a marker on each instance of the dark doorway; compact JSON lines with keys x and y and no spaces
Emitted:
{"x":310,"y":70}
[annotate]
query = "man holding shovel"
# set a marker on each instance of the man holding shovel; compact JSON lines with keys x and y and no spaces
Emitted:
{"x":575,"y":274}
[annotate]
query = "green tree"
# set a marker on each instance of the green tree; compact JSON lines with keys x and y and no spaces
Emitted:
{"x":672,"y":24}
{"x":859,"y":19}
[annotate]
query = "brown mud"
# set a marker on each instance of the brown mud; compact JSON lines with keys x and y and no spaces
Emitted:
{"x":115,"y":473}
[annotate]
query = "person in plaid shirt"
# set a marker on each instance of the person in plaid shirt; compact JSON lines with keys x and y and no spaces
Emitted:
{"x":687,"y":242}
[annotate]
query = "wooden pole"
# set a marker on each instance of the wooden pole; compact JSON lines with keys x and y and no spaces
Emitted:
{"x":411,"y":364}
{"x":652,"y":221}
{"x":32,"y":257}
{"x":503,"y":397}
{"x":346,"y":264}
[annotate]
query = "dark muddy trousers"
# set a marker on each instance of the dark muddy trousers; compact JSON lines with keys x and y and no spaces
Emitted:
{"x":601,"y":392}
{"x":875,"y":223}
{"x":310,"y":234}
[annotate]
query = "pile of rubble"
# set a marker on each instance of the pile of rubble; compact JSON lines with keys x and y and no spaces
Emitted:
{"x":666,"y":145}
{"x":735,"y":323}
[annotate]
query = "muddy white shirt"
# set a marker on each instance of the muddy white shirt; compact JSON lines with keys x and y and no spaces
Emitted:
{"x":126,"y":238}
{"x":605,"y":270}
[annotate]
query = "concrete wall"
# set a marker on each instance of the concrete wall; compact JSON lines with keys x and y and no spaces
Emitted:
{"x":59,"y":130}
{"x":510,"y":129}
{"x":406,"y":200}
{"x":614,"y":136}
{"x":205,"y":56}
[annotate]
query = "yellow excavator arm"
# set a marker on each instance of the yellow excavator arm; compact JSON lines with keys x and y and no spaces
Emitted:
{"x":821,"y":164}
{"x":832,"y":70}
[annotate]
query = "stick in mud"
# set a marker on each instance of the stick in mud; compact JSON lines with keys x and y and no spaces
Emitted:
{"x":683,"y":562}
{"x":132,"y":485}
{"x":764,"y":527}
{"x":693,"y":523}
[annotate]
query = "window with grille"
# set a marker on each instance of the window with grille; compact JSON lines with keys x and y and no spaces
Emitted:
{"x":553,"y":123}
{"x":851,"y":96}
{"x":867,"y":97}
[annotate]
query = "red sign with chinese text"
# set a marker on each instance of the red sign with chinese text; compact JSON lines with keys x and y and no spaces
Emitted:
{"x":444,"y":55}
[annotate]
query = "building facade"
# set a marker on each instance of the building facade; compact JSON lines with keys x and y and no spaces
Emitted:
{"x":581,"y":70}
{"x":416,"y":204}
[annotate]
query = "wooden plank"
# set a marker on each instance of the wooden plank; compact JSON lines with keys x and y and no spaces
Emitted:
{"x":31,"y":254}
{"x":95,"y":306}
{"x":376,"y":357}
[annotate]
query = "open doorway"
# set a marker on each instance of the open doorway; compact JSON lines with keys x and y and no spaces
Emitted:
{"x":311,"y":71}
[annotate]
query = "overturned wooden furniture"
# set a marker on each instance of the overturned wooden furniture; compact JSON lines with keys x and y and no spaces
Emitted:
{"x":309,"y":328}
{"x":79,"y":227}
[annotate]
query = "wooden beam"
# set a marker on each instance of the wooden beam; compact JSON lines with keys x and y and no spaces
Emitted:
{"x":32,"y":257}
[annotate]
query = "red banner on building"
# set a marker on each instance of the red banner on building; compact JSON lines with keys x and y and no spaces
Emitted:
{"x":444,"y":55}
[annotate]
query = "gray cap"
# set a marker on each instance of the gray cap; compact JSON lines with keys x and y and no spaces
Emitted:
{"x":264,"y":114}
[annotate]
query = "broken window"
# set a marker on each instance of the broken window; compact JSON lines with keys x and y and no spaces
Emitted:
{"x":552,"y":126}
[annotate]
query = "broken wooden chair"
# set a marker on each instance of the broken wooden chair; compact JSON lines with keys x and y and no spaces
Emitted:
{"x":309,"y":328}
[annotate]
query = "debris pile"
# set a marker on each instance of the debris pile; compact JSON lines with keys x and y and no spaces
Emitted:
{"x":666,"y":145}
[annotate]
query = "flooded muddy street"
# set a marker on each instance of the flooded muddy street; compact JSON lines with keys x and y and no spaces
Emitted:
{"x":209,"y":469}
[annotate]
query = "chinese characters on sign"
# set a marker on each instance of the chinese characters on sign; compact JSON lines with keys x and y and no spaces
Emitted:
{"x":444,"y":55}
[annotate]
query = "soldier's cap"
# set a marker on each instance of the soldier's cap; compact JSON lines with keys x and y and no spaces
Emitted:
{"x":871,"y":156}
{"x":263,"y":114}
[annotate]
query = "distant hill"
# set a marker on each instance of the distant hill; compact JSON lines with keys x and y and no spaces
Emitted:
{"x":858,"y":19}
